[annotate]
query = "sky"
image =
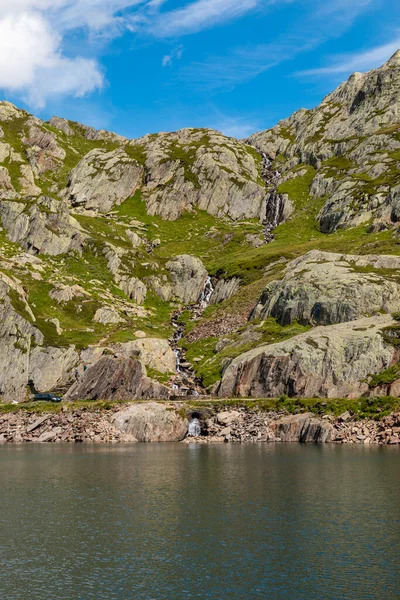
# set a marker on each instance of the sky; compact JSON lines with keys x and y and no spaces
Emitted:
{"x":143,"y":66}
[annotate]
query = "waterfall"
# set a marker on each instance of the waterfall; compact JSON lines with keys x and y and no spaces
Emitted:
{"x":194,"y":428}
{"x":274,"y":202}
{"x":178,"y":360}
{"x":273,"y":214}
{"x":206,"y":294}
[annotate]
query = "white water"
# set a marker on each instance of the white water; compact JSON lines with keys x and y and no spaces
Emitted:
{"x":206,"y":294}
{"x":194,"y":428}
{"x":178,"y":360}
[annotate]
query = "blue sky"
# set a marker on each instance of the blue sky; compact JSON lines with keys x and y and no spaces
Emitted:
{"x":142,"y":66}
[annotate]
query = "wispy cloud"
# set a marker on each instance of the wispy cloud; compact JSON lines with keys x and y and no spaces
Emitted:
{"x":242,"y":64}
{"x":175,"y":54}
{"x":359,"y":61}
{"x":201,"y":14}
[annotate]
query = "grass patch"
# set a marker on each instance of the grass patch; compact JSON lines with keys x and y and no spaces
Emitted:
{"x":360,"y":408}
{"x":385,"y":377}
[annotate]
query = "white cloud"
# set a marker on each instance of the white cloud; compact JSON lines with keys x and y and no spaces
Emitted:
{"x":175,"y":54}
{"x":359,"y":61}
{"x":31,"y":61}
{"x":32,"y":32}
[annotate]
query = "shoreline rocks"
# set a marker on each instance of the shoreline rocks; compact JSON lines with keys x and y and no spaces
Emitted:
{"x":168,"y":422}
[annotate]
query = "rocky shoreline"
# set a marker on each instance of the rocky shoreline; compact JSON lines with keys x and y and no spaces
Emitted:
{"x":152,"y":421}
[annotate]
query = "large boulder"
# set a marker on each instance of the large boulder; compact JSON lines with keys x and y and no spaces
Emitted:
{"x":133,"y":287}
{"x":115,"y":378}
{"x":302,"y":428}
{"x":323,"y":288}
{"x":107,"y":315}
{"x":152,"y":422}
{"x":155,"y":353}
{"x":224,"y":289}
{"x":332,"y":361}
{"x":188,"y":276}
{"x":52,"y":367}
{"x":103,"y":180}
{"x":43,"y":151}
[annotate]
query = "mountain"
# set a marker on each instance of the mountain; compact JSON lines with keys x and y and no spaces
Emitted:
{"x":259,"y":267}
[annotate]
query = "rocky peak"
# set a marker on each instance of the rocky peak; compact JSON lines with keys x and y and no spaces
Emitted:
{"x":394,"y":61}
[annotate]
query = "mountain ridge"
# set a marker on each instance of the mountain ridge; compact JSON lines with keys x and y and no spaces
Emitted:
{"x":105,"y":239}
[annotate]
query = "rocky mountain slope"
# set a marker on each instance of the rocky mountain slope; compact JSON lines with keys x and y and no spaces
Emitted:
{"x":269,"y":265}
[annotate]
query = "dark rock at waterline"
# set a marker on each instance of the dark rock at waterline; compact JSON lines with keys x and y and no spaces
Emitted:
{"x":302,"y":428}
{"x":116,"y":379}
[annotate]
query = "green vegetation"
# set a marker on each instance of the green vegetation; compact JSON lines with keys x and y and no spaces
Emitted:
{"x":286,"y":133}
{"x":18,"y":304}
{"x":104,"y":229}
{"x":391,"y":335}
{"x":137,"y":152}
{"x":57,"y":407}
{"x":385,"y":377}
{"x":195,"y":232}
{"x":160,"y":377}
{"x":360,"y":408}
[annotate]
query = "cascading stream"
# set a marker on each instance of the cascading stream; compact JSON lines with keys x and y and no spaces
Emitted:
{"x":186,"y":382}
{"x":274,"y":203}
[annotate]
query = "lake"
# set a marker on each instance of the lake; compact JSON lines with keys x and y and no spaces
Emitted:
{"x":177,"y":521}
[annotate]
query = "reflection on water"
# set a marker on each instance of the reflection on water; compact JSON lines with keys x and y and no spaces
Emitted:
{"x":177,"y":521}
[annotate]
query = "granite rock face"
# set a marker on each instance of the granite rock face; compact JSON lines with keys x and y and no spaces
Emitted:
{"x":201,"y":168}
{"x":351,"y":139}
{"x":322,"y":288}
{"x":224,"y":289}
{"x":16,"y":336}
{"x":43,"y":151}
{"x":177,"y":172}
{"x":51,"y":367}
{"x":103,"y":180}
{"x":151,"y":422}
{"x":115,"y":379}
{"x":331,"y":361}
{"x":155,"y":353}
{"x":44,"y":228}
{"x":188,"y":276}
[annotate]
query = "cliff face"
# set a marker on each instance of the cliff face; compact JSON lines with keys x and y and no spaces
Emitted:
{"x":105,"y":241}
{"x":352,"y":141}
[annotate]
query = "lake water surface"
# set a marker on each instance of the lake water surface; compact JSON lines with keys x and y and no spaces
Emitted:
{"x":177,"y":521}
